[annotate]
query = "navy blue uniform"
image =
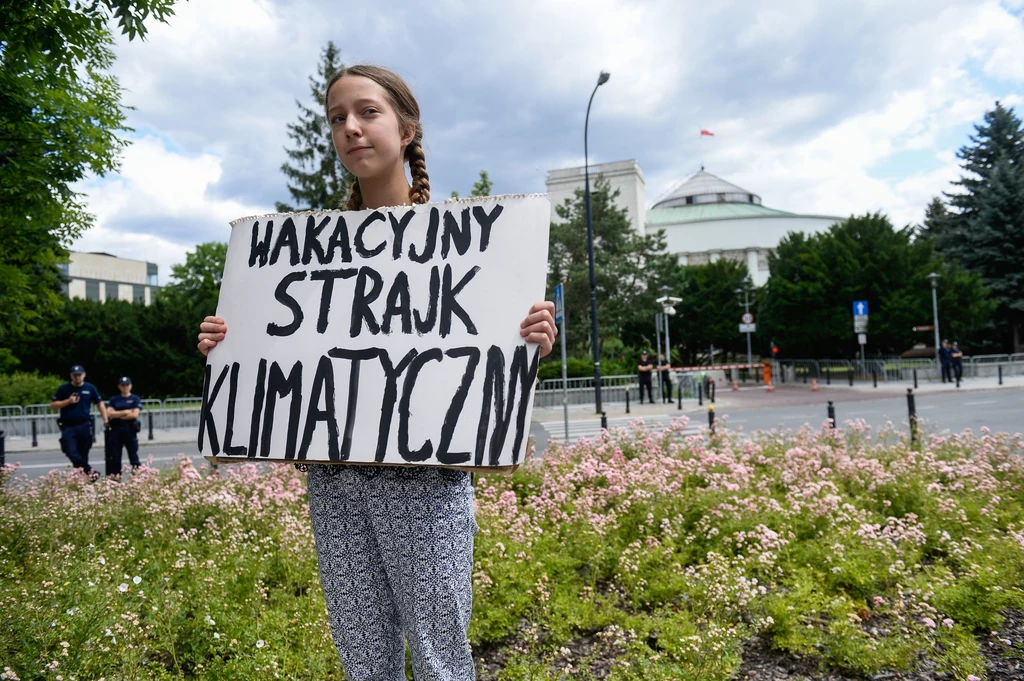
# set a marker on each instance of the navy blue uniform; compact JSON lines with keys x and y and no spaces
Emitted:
{"x":645,"y":378}
{"x":122,"y":431}
{"x":75,"y":419}
{"x":666,"y":380}
{"x":946,"y":360}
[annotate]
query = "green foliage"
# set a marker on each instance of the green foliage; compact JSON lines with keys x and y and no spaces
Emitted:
{"x":481,"y":187}
{"x":316,"y":178}
{"x":60,"y":119}
{"x":23,"y":387}
{"x":708,"y":313}
{"x":864,"y":258}
{"x":630,"y":268}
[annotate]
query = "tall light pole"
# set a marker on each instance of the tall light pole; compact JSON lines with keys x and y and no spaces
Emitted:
{"x":601,"y":80}
{"x":744,"y":292}
{"x":934,"y":278}
{"x":668,"y":308}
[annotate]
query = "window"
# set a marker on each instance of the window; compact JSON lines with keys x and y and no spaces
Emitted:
{"x":138,"y":293}
{"x":111,"y":290}
{"x":92,"y":290}
{"x":151,"y":274}
{"x":63,"y":268}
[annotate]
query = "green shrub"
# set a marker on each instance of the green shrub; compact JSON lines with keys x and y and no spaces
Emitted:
{"x":27,"y":388}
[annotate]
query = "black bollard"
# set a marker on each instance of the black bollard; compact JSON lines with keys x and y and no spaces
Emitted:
{"x":831,"y":415}
{"x":604,"y":421}
{"x":35,"y":438}
{"x":849,"y":375}
{"x":874,"y":378}
{"x":150,"y":419}
{"x":711,"y":419}
{"x":912,"y":413}
{"x":1000,"y":369}
{"x":700,"y":393}
{"x":958,"y":381}
{"x":805,"y":377}
{"x":915,"y":379}
{"x":627,"y":398}
{"x":828,"y":376}
{"x":714,"y":389}
{"x":680,"y":407}
{"x":2,"y":440}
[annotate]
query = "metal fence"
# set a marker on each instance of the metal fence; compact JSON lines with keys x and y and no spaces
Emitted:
{"x":18,"y":421}
{"x":613,"y":389}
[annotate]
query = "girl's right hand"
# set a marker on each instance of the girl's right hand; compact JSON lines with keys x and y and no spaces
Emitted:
{"x":212,"y":331}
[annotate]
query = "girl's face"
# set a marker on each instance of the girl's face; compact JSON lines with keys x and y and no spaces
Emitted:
{"x":365,"y":128}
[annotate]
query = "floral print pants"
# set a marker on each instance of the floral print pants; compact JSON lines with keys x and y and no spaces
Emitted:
{"x":395,"y":549}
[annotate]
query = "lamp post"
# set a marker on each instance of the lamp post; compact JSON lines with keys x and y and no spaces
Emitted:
{"x":601,"y":80}
{"x":934,"y":278}
{"x":668,"y":309}
{"x":744,"y":292}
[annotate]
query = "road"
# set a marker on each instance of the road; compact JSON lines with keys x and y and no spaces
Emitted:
{"x":999,"y":410}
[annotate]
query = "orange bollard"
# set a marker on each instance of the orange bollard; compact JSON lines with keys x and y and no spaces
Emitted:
{"x":770,"y":389}
{"x":814,"y":385}
{"x":735,"y":385}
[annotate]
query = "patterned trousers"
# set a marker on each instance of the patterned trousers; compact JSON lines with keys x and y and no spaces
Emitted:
{"x":395,"y":550}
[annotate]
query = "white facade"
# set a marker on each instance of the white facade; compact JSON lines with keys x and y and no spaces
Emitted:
{"x":624,"y":176}
{"x":101,"y":276}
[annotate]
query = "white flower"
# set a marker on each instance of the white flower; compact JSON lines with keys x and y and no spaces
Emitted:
{"x":122,"y":587}
{"x":136,"y":579}
{"x":260,"y":643}
{"x":209,"y":620}
{"x":103,"y":561}
{"x":216,"y":635}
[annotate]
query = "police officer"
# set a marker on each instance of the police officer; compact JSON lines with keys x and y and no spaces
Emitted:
{"x":946,"y":360}
{"x":644,"y":369}
{"x":956,"y":356}
{"x":124,"y":423}
{"x":74,"y":400}
{"x":665,"y":367}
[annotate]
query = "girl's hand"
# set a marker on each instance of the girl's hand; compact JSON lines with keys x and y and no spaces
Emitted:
{"x":212,"y":331}
{"x":539,"y":326}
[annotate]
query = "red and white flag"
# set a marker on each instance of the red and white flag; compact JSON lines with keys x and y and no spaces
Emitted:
{"x":706,"y":133}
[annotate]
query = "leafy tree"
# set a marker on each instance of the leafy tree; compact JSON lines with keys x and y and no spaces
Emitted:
{"x":985,"y":233}
{"x":316,"y":178}
{"x":481,"y":187}
{"x":630,"y":269}
{"x":805,"y":306}
{"x":60,"y":118}
{"x":708,"y":314}
{"x":196,"y":282}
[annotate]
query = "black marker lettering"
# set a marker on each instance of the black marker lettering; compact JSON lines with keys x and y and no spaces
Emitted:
{"x":453,"y":231}
{"x":387,"y":405}
{"x":280,"y":386}
{"x":494,"y":385}
{"x":424,"y":452}
{"x":327,"y":291}
{"x":339,"y":240}
{"x":312,"y":241}
{"x":355,"y":356}
{"x":282,"y":297}
{"x":450,"y":305}
{"x":426,"y":324}
{"x":323,"y":384}
{"x":360,"y":246}
{"x":205,"y":417}
{"x":259,"y":250}
{"x":451,"y":417}
{"x":485,"y":221}
{"x":286,"y":237}
{"x":398,"y":305}
{"x":229,"y":431}
{"x":398,"y":227}
{"x":361,"y":311}
{"x":257,"y":407}
{"x":527,"y":380}
{"x":431,"y":243}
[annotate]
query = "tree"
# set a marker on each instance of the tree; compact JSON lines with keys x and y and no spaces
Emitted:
{"x":481,"y":187}
{"x":708,"y":314}
{"x":630,"y":269}
{"x":197,"y":281}
{"x":985,"y":232}
{"x":60,"y":118}
{"x":937,"y":222}
{"x":806,"y":305}
{"x":316,"y":178}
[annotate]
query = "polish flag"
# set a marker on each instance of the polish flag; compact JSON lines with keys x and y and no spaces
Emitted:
{"x":706,"y":133}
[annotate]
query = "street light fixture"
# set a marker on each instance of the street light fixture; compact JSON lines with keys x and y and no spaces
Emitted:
{"x":667,"y":303}
{"x":744,"y":292}
{"x":601,"y":80}
{"x":934,"y":278}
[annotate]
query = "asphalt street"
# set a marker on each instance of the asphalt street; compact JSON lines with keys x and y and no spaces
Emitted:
{"x":1001,"y":410}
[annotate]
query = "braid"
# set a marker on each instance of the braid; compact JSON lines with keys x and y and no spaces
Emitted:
{"x":355,"y":196}
{"x":419,"y":192}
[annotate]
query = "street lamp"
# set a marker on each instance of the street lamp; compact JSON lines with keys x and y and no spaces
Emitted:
{"x":744,"y":291}
{"x":667,"y":303}
{"x":934,"y":278}
{"x":601,"y":80}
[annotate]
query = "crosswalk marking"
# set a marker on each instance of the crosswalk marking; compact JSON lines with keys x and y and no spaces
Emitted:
{"x":591,"y":428}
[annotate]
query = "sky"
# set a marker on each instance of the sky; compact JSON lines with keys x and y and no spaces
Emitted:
{"x":820,"y":108}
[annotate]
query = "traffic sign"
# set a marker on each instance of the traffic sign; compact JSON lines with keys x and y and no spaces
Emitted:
{"x":862,"y":339}
{"x":748,"y":328}
{"x":927,"y":327}
{"x":860,"y":324}
{"x":860,"y":308}
{"x":747,"y":318}
{"x":559,"y":304}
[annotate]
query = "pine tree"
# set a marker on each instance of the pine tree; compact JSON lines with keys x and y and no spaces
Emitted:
{"x":936,"y":221}
{"x":316,"y":178}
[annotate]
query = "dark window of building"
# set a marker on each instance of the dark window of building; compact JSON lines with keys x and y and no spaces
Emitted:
{"x":138,"y":293}
{"x":92,"y":290}
{"x":111,"y":290}
{"x":151,"y":274}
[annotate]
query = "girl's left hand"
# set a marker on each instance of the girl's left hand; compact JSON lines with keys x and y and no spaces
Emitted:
{"x":539,"y":326}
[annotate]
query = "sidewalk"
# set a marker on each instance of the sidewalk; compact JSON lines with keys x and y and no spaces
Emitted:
{"x":50,"y":443}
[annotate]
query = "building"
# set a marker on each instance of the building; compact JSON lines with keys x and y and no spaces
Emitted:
{"x":625,"y":176}
{"x":705,"y":218}
{"x":101,"y":276}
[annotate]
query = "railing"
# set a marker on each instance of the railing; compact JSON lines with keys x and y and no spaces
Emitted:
{"x":613,"y":389}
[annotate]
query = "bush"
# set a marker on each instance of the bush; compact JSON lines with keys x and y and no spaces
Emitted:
{"x":27,"y":388}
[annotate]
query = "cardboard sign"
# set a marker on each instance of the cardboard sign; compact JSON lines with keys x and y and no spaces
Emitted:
{"x":385,"y":336}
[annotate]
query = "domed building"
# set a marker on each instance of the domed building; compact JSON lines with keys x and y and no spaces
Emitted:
{"x":705,"y":218}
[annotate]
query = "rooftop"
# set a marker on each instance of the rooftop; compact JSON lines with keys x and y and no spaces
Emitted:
{"x":705,"y":188}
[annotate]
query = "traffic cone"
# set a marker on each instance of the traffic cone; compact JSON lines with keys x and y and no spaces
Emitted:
{"x":814,"y":385}
{"x":735,"y":385}
{"x":770,"y":388}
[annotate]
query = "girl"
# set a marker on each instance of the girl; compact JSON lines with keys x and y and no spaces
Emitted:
{"x":394,"y":545}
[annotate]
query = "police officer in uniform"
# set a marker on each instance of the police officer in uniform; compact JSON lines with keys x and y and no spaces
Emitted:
{"x":665,"y":367}
{"x":124,"y":425}
{"x":956,"y":360}
{"x":74,"y":400}
{"x":644,"y":369}
{"x":946,"y":360}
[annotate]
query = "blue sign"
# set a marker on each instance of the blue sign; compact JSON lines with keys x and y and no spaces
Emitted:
{"x":860,"y":308}
{"x":559,"y":304}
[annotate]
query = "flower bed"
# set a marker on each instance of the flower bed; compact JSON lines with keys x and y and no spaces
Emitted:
{"x":640,"y":556}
